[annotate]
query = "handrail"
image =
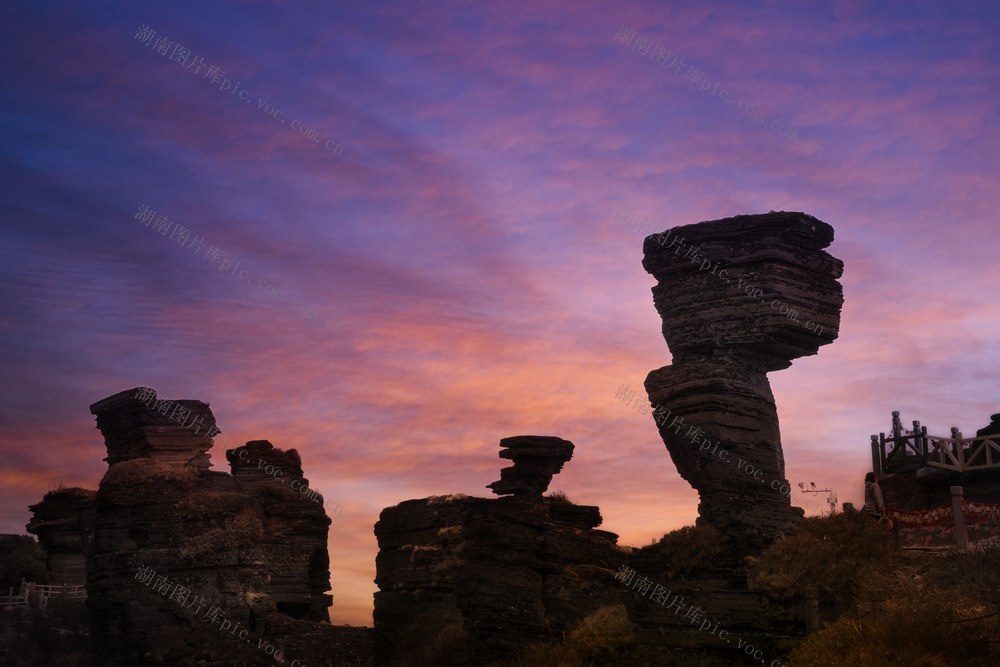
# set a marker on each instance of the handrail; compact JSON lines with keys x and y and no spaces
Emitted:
{"x":946,"y":452}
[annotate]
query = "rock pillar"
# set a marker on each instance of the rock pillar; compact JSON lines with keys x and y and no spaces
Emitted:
{"x":738,"y":297}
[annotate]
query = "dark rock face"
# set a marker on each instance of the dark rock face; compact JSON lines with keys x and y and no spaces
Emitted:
{"x":136,"y":424}
{"x":993,"y":428}
{"x":536,"y":459}
{"x":467,"y":580}
{"x":728,"y":320}
{"x":64,"y":524}
{"x":258,"y":462}
{"x":295,"y":530}
{"x":250,"y":548}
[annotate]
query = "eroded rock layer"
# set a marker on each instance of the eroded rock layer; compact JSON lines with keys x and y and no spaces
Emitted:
{"x":137,"y":424}
{"x":536,"y":459}
{"x":64,"y":524}
{"x":738,"y":297}
{"x":468,"y":580}
{"x":295,"y":528}
{"x":184,"y":558}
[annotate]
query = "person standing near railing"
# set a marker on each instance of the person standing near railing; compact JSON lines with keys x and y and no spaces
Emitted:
{"x":874,"y":501}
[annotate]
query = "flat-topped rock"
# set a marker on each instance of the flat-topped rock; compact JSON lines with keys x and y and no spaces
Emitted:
{"x":738,"y":297}
{"x":64,"y":524}
{"x":489,"y":576}
{"x":137,"y":424}
{"x":537,"y":458}
{"x":758,"y":283}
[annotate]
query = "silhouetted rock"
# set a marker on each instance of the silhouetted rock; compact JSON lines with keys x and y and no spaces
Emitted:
{"x":64,"y":524}
{"x":177,"y":545}
{"x":993,"y":428}
{"x":297,"y":527}
{"x":727,"y":326}
{"x":726,"y":296}
{"x":469,"y":580}
{"x":536,"y":459}
{"x":137,"y":424}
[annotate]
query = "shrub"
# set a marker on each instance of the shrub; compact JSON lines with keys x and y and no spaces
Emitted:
{"x":21,"y":557}
{"x":928,"y":629}
{"x":837,"y":554}
{"x":602,"y":638}
{"x":975,"y":572}
{"x":688,"y":550}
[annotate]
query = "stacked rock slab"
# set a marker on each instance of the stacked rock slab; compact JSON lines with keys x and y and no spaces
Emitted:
{"x":64,"y":524}
{"x":296,"y":527}
{"x":469,"y":580}
{"x":727,"y":319}
{"x":137,"y":424}
{"x":179,"y":550}
{"x":536,"y":459}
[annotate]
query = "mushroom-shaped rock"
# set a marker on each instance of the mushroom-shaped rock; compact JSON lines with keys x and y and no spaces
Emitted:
{"x":762,"y":293}
{"x":536,"y":459}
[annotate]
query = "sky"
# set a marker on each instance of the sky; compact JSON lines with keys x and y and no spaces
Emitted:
{"x":390,"y":234}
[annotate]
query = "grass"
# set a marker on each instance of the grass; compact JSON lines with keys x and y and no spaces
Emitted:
{"x":938,"y":611}
{"x":840,"y":555}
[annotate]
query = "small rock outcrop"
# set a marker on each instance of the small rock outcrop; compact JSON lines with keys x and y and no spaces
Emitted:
{"x":294,"y":539}
{"x":738,"y":298}
{"x":536,"y":459}
{"x":468,"y":580}
{"x":64,"y":523}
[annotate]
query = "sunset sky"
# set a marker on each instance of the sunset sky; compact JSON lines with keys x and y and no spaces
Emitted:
{"x":461,"y":250}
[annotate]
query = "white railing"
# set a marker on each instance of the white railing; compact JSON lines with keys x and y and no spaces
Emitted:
{"x":40,"y":594}
{"x":964,"y":454}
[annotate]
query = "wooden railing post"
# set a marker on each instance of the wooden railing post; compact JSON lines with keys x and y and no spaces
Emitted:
{"x":876,"y":468}
{"x":958,"y":516}
{"x":961,"y":449}
{"x":956,"y":447}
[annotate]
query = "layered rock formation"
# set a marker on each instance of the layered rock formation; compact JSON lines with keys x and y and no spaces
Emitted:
{"x":180,"y":550}
{"x":295,"y":528}
{"x":536,"y":459}
{"x":64,"y":524}
{"x":467,"y":580}
{"x":137,"y":424}
{"x":738,"y":297}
